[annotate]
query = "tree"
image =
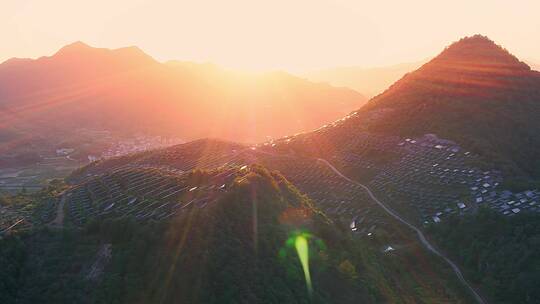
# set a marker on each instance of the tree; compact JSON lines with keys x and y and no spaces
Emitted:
{"x":348,"y":269}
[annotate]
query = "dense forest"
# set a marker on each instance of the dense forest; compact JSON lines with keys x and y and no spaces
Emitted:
{"x":499,"y":253}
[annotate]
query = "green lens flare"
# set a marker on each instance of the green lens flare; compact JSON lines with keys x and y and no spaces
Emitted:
{"x":302,"y":248}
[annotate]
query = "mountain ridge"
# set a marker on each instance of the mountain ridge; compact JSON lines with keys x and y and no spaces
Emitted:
{"x":370,"y":81}
{"x":101,"y":88}
{"x":475,"y":93}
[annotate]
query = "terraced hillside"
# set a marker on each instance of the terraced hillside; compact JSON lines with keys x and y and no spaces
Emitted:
{"x":410,"y":144}
{"x":215,"y":236}
{"x":332,"y":194}
{"x":425,"y":177}
{"x":427,"y":180}
{"x":145,"y":193}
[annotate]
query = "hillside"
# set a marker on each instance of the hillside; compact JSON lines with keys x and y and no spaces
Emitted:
{"x":127,"y":91}
{"x":497,"y":248}
{"x":231,"y":244}
{"x":475,"y":93}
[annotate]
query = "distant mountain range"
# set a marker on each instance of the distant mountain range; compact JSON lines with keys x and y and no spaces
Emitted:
{"x":371,"y":81}
{"x":126,"y":91}
{"x":368,"y":81}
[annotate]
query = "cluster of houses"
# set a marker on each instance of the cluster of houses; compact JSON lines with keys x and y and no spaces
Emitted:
{"x":509,"y":203}
{"x":433,"y":178}
{"x":138,"y":144}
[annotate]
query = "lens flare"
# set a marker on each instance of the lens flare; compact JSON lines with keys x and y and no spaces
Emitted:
{"x":302,"y":248}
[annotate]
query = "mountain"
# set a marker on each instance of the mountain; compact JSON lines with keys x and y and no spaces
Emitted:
{"x":474,"y":93}
{"x":126,"y":91}
{"x":368,"y":81}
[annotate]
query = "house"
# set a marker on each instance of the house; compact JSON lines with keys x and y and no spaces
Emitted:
{"x":506,"y":194}
{"x":64,"y":151}
{"x":353,"y":226}
{"x":388,"y":249}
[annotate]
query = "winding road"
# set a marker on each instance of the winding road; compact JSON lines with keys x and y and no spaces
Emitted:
{"x":421,"y":235}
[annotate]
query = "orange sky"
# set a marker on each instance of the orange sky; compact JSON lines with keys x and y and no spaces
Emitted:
{"x":274,"y":34}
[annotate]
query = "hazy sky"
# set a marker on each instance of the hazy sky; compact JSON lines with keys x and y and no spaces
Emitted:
{"x":272,"y":34}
